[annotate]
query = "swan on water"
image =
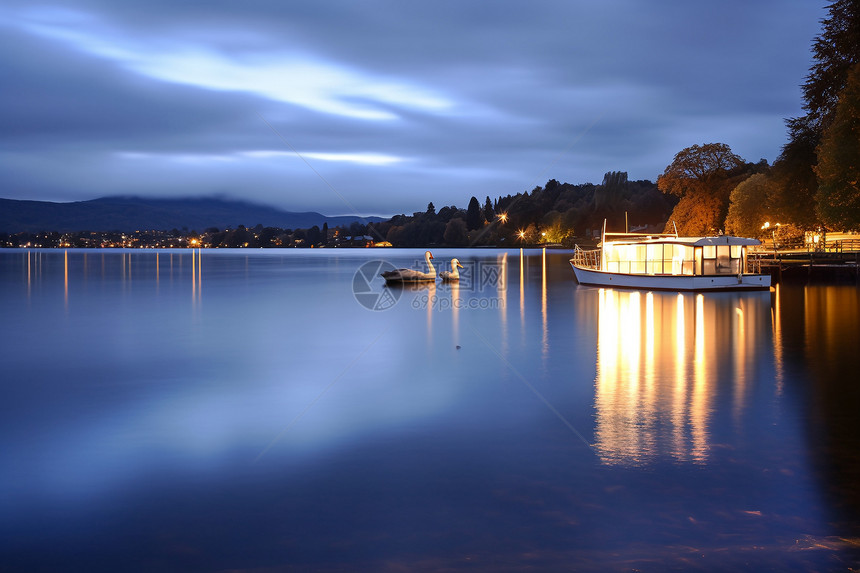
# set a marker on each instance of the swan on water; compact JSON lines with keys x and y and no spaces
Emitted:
{"x":453,"y":274}
{"x":410,"y":275}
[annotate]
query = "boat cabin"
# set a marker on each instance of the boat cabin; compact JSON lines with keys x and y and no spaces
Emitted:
{"x":638,"y":254}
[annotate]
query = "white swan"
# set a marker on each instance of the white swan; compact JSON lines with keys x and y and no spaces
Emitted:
{"x":453,"y":274}
{"x":410,"y":275}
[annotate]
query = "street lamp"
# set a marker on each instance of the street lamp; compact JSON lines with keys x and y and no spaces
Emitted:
{"x":773,"y":231}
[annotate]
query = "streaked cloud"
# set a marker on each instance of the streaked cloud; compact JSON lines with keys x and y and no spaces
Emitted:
{"x":394,"y":105}
{"x":296,"y":78}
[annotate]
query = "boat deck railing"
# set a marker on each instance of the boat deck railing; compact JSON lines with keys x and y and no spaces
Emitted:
{"x":586,"y":259}
{"x":753,"y":265}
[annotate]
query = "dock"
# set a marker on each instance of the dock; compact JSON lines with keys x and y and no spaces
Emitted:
{"x":835,"y":260}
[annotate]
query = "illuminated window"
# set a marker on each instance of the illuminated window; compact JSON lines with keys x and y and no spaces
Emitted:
{"x":655,"y":259}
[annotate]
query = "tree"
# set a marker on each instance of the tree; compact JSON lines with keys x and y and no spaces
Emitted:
{"x":615,"y":182}
{"x":448,"y":213}
{"x":609,"y":201}
{"x":696,"y":168}
{"x":531,"y":235}
{"x":474,"y":217}
{"x":748,"y":206}
{"x":834,"y":52}
{"x":395,"y":232}
{"x":431,"y":208}
{"x":555,"y":226}
{"x":314,"y":235}
{"x":794,"y":184}
{"x":702,"y":176}
{"x":838,"y":166}
{"x":357,"y":229}
{"x":455,"y":232}
{"x":489,"y":214}
{"x":268,"y":237}
{"x":240,"y":238}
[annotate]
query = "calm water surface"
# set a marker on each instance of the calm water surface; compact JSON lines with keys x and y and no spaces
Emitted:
{"x":236,"y":410}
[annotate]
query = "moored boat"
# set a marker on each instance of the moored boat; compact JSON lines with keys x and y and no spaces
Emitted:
{"x":669,"y":262}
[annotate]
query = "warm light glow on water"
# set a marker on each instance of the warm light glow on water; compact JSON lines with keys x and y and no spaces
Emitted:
{"x":776,"y":326}
{"x":502,"y":295}
{"x":543,"y":308}
{"x":669,"y":414}
{"x":66,"y":278}
{"x":196,"y":278}
{"x":272,"y":422}
{"x":522,"y":289}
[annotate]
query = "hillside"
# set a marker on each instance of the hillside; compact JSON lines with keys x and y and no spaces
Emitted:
{"x":134,"y":213}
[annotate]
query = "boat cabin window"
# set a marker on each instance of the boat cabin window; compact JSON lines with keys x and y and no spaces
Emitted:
{"x":721,"y":259}
{"x":682,"y":260}
{"x":672,"y":259}
{"x":655,"y":258}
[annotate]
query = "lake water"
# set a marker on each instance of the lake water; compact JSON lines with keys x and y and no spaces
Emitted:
{"x":279,"y":410}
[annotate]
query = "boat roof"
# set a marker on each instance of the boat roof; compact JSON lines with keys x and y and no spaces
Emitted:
{"x":644,"y":239}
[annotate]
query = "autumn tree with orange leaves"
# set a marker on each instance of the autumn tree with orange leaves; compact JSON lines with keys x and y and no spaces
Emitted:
{"x":702,"y":176}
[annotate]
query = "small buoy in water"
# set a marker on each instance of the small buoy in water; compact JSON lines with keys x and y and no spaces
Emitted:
{"x":458,"y":347}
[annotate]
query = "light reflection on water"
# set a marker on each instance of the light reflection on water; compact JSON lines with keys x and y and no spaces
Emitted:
{"x":652,"y":405}
{"x":511,"y":420}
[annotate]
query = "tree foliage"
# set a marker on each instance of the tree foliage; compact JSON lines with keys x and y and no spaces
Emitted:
{"x":748,"y":206}
{"x":702,"y":176}
{"x":698,"y":168}
{"x":455,"y":232}
{"x":834,"y":52}
{"x":792,"y":194}
{"x":474,"y":216}
{"x":489,"y":213}
{"x":609,"y":199}
{"x":839,"y":160}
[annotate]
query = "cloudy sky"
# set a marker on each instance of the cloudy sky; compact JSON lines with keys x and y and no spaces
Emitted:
{"x":378,"y":107}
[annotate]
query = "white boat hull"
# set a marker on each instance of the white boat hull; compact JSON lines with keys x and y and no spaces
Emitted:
{"x":592,"y":277}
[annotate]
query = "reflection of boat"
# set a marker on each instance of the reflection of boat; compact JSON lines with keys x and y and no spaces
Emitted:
{"x":411,"y":275}
{"x":672,"y":369}
{"x":669,"y":262}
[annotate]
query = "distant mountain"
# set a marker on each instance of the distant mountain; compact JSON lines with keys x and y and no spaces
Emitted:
{"x":137,"y":214}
